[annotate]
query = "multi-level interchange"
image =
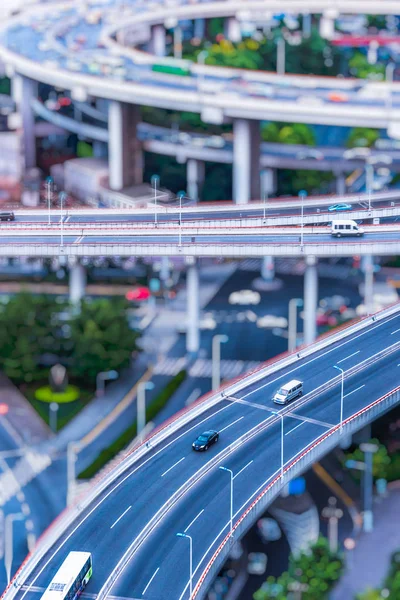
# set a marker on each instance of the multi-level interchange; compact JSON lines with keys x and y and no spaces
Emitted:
{"x":140,"y":555}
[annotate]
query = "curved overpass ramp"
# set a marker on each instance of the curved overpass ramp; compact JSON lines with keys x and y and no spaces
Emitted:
{"x":130,"y":519}
{"x":34,"y":44}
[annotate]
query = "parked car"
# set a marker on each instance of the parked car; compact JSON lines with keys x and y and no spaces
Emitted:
{"x":205,"y":440}
{"x":257,"y":564}
{"x":244,"y":297}
{"x":269,"y":530}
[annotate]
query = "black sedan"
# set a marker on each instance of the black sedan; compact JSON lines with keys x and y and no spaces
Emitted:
{"x":205,"y":440}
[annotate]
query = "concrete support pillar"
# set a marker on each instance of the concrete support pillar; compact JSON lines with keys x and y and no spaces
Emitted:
{"x":345,"y":441}
{"x":99,"y":149}
{"x":307,"y":22}
{"x":327,"y":27}
{"x":246,"y":160}
{"x":158,"y":40}
{"x":232,"y":30}
{"x":269,"y":182}
{"x":125,"y":156}
{"x":77,"y":282}
{"x":23,"y":90}
{"x":368,"y":268}
{"x":362,"y":435}
{"x":340,"y":184}
{"x":199,"y":28}
{"x":268,"y":268}
{"x":310,"y":300}
{"x":195,"y":178}
{"x":193,"y":309}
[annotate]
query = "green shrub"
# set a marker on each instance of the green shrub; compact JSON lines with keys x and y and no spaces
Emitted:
{"x":130,"y":433}
{"x":318,"y":568}
{"x":46,"y":394}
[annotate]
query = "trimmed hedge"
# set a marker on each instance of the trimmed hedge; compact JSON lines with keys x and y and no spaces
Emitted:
{"x":130,"y":433}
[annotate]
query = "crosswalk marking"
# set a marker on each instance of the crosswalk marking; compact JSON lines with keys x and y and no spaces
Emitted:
{"x":25,"y":470}
{"x":202,"y":367}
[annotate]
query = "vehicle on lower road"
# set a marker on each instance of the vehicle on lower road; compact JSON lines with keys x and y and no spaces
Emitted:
{"x":7,"y":216}
{"x":205,"y":440}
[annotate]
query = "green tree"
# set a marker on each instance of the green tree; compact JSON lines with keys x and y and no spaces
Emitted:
{"x":360,"y":67}
{"x":29,"y":329}
{"x":288,"y":133}
{"x":319,"y":569}
{"x":362,"y":137}
{"x":101,"y":338}
{"x":369,"y":594}
{"x":381,"y":460}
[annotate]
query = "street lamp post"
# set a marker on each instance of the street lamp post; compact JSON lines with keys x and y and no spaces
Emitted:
{"x":9,"y":542}
{"x":201,"y":60}
{"x":177,"y":42}
{"x":341,"y":396}
{"x":53,"y":410}
{"x":278,"y":414}
{"x":369,"y":450}
{"x":333,"y":514}
{"x":180,"y":196}
{"x":280,"y":56}
{"x":49,"y":183}
{"x":154,"y":182}
{"x":302,"y":195}
{"x":369,"y":180}
{"x":189,"y":537}
{"x":101,"y":378}
{"x":62,"y":198}
{"x":141,"y":404}
{"x":265,"y":205}
{"x":216,"y":359}
{"x":231,"y":499}
{"x":294,"y":303}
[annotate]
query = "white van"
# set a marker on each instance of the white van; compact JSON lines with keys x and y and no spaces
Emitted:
{"x":348,"y":227}
{"x":291,"y":390}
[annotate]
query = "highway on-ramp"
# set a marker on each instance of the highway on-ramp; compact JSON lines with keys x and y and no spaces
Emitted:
{"x":159,"y":566}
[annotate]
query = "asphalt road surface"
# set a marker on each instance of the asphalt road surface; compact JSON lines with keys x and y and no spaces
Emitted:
{"x":160,"y":567}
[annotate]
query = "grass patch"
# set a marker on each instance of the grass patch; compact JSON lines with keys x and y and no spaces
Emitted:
{"x":46,"y":394}
{"x":130,"y":433}
{"x":66,"y":411}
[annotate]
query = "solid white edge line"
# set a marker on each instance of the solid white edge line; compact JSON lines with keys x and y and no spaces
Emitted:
{"x":151,"y":579}
{"x":356,"y":390}
{"x":177,"y":463}
{"x":120,"y":517}
{"x":195,"y":519}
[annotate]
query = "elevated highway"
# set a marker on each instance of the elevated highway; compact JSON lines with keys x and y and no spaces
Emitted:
{"x":129,"y":519}
{"x":85,"y":52}
{"x":234,"y":242}
{"x":212,"y":148}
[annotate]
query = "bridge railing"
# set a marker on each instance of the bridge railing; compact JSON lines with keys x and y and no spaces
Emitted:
{"x":295,"y":467}
{"x":69,"y":515}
